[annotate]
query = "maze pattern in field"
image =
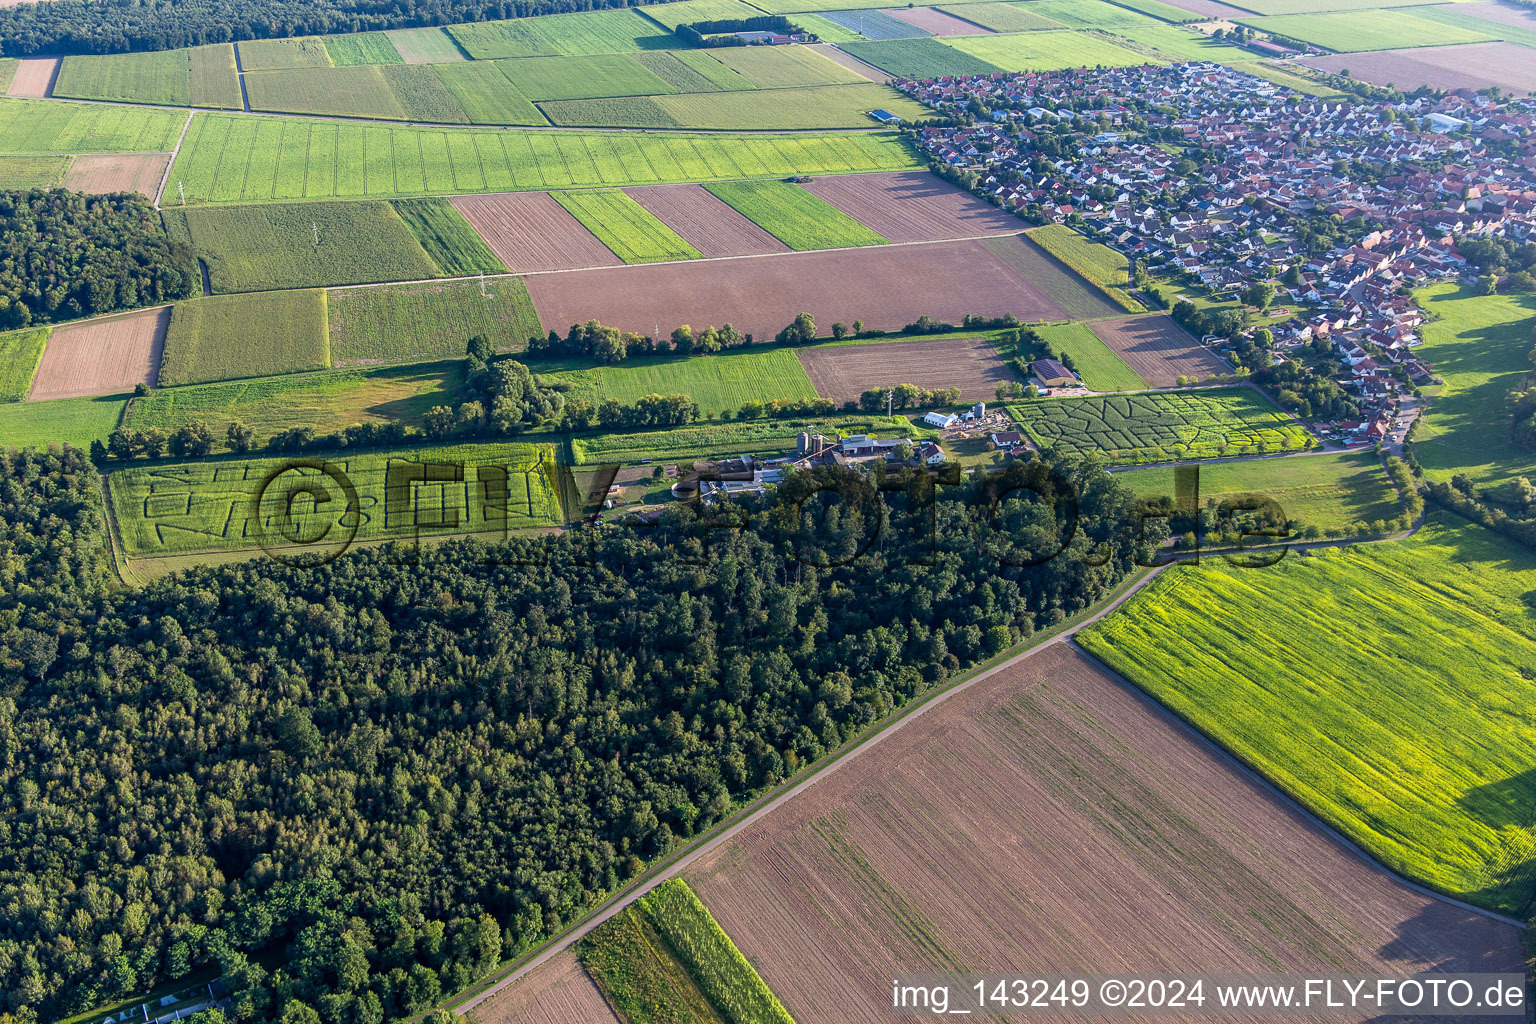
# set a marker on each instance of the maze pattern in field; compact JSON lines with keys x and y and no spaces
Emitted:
{"x":482,"y":489}
{"x":1162,"y":426}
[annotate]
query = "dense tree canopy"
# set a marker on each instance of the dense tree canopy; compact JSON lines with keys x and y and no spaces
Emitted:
{"x":65,"y":255}
{"x":121,"y":26}
{"x":381,"y":776}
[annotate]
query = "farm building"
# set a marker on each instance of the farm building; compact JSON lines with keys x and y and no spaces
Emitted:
{"x":1053,"y":374}
{"x":941,"y":419}
{"x":1005,"y":439}
{"x":930,"y":453}
{"x":885,"y":117}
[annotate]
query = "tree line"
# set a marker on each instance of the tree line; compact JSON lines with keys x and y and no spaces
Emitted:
{"x":65,"y":255}
{"x":352,"y":789}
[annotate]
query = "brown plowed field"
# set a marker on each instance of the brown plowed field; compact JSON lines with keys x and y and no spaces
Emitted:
{"x":102,"y":357}
{"x":34,"y":78}
{"x":940,"y":23}
{"x":913,"y":206}
{"x":705,"y":222}
{"x":98,"y":174}
{"x":559,"y":992}
{"x":843,"y":372}
{"x":852,"y":63}
{"x":1051,"y":820}
{"x":1158,"y":349}
{"x":886,"y":287}
{"x":1470,"y":66}
{"x":530,"y":231}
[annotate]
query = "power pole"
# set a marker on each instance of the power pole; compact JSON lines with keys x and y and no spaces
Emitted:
{"x":182,"y":193}
{"x":316,"y":229}
{"x":890,"y":401}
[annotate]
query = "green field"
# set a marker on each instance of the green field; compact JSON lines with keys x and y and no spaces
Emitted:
{"x":359,"y":91}
{"x":1000,"y":17}
{"x":226,"y":337}
{"x":301,"y":245}
{"x":719,"y":440}
{"x":228,"y":158}
{"x":8,"y":66}
{"x":1162,"y":426}
{"x":396,"y":323}
{"x":425,"y":45}
{"x":1165,"y":12}
{"x":269,"y":54}
{"x":163,"y":77}
{"x":1174,"y":43}
{"x":1456,"y":19}
{"x":1352,"y":31}
{"x":698,"y":942}
{"x":633,"y":233}
{"x":1086,"y":13}
{"x":1076,"y":297}
{"x":1480,"y":346}
{"x":1386,"y":687}
{"x":485,"y":94}
{"x":1338,"y":492}
{"x":41,"y":126}
{"x":207,"y":506}
{"x":362,"y":48}
{"x":214,"y":80}
{"x":74,"y":421}
{"x":327,"y":401}
{"x":1107,"y":269}
{"x":572,"y":35}
{"x":1100,"y":366}
{"x":794,"y":216}
{"x":447,"y":237}
{"x":1291,"y":80}
{"x":20,"y":352}
{"x":797,"y":6}
{"x":422,"y":93}
{"x":1314,"y":6}
{"x":640,"y":976}
{"x":692,"y":71}
{"x":785,"y":67}
{"x":718,"y":383}
{"x":33,"y":171}
{"x":823,"y":107}
{"x":919,"y":58}
{"x":577,"y":78}
{"x":1046,"y":51}
{"x":689,"y":11}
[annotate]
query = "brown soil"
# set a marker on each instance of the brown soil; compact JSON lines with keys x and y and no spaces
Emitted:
{"x":852,"y":63}
{"x":1049,"y":819}
{"x":531,"y":232}
{"x":913,"y":206}
{"x":99,"y":174}
{"x":843,"y":372}
{"x":705,"y":222}
{"x":559,"y":992}
{"x":1158,"y":349}
{"x":1470,"y":66}
{"x":885,"y":286}
{"x":102,"y":357}
{"x":1209,"y":8}
{"x":940,"y":23}
{"x":34,"y":78}
{"x":1503,"y":14}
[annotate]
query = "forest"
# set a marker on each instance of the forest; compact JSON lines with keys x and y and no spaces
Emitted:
{"x":65,"y":255}
{"x":59,"y":27}
{"x":352,"y":789}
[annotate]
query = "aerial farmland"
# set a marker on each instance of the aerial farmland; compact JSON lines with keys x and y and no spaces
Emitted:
{"x":755,"y":511}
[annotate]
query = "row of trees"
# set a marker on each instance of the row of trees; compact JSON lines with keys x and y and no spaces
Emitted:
{"x":65,"y":255}
{"x":907,"y":396}
{"x":353,"y":788}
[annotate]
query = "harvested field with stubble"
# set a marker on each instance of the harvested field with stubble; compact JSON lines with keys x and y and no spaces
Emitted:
{"x":1158,"y":349}
{"x":912,"y":206}
{"x":1474,"y":66}
{"x":843,"y":372}
{"x":558,"y":992}
{"x":33,"y":78}
{"x":1115,"y":841}
{"x":887,"y":287}
{"x":707,"y":223}
{"x":98,"y":174}
{"x":530,"y":231}
{"x":107,"y":356}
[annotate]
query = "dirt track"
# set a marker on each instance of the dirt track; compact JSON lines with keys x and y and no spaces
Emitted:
{"x":1051,"y":820}
{"x":102,"y":357}
{"x":885,"y":286}
{"x":1158,"y":349}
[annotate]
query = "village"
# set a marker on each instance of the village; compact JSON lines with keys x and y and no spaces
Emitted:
{"x":1216,"y":181}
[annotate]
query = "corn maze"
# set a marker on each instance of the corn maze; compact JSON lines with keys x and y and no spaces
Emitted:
{"x":1162,"y":426}
{"x":326,"y":501}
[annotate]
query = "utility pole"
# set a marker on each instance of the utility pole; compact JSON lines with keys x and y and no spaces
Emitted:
{"x":890,"y":401}
{"x":316,"y":229}
{"x":182,"y":193}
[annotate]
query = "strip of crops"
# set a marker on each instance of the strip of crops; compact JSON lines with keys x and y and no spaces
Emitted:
{"x":396,"y":323}
{"x":33,"y":171}
{"x":1100,"y":264}
{"x":719,"y":383}
{"x":448,"y":238}
{"x":575,"y":78}
{"x":794,"y":216}
{"x":1322,"y":672}
{"x":20,"y":352}
{"x":633,"y":233}
{"x":486,"y":95}
{"x":41,"y":126}
{"x":638,"y":975}
{"x":1101,"y":367}
{"x":362,"y":48}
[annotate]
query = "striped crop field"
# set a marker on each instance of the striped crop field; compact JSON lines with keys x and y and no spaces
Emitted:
{"x":200,"y":76}
{"x":794,"y":216}
{"x":230,"y":159}
{"x":41,"y":126}
{"x":623,"y":225}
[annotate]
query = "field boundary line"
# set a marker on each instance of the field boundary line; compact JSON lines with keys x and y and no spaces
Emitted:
{"x":674,"y":864}
{"x":165,"y":179}
{"x":1203,"y":739}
